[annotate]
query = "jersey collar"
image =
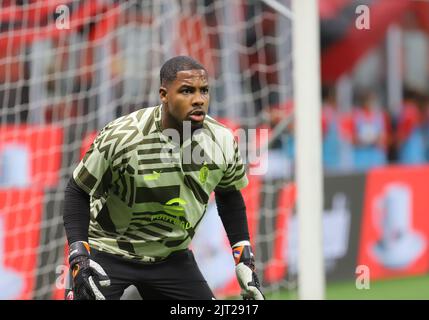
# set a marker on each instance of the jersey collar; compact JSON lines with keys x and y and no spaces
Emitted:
{"x":157,"y":116}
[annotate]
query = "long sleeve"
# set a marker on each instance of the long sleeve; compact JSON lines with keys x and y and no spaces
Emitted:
{"x":232,"y":212}
{"x":76,"y":212}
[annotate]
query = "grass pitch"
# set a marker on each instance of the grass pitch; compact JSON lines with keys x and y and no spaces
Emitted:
{"x":410,"y":288}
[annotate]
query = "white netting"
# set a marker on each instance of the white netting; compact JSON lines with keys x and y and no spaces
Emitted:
{"x":65,"y":71}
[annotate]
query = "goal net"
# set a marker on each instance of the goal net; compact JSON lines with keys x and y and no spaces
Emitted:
{"x":67,"y":68}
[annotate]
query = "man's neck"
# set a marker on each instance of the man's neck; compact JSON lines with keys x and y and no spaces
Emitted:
{"x":167,"y":122}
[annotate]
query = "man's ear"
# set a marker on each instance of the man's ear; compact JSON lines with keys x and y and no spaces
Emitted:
{"x":163,"y":95}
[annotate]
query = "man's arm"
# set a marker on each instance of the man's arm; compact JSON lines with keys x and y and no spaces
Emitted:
{"x":76,"y":212}
{"x":87,"y":274}
{"x":232,"y":211}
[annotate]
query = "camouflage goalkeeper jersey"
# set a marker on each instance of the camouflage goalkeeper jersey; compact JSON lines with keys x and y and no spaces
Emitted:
{"x":147,"y":192}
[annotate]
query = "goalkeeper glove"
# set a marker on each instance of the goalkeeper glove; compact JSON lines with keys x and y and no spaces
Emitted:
{"x":87,"y":274}
{"x":245,"y":271}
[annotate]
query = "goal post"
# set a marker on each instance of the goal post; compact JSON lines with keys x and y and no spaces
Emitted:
{"x":309,"y":174}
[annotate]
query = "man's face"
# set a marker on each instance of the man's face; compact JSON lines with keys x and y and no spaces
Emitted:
{"x":187,"y":97}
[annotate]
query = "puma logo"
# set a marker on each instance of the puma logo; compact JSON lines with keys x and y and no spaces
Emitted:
{"x":152,"y":176}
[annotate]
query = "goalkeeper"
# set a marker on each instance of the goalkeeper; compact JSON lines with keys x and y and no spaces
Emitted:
{"x":136,"y":198}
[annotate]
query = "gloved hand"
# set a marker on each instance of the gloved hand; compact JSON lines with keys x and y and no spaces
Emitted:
{"x":245,"y":271}
{"x":87,"y":274}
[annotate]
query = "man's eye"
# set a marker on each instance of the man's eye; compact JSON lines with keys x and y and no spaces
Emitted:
{"x":186,"y":91}
{"x":205,"y":91}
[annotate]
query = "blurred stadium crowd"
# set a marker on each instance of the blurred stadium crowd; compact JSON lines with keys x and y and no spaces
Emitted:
{"x":368,"y":135}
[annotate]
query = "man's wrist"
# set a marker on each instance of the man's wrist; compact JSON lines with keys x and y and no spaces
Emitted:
{"x":241,"y":243}
{"x":242,"y":253}
{"x":78,"y":250}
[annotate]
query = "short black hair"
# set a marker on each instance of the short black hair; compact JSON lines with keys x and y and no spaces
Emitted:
{"x":172,"y":66}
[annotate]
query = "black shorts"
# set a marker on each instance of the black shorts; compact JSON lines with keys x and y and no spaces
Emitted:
{"x":178,"y":277}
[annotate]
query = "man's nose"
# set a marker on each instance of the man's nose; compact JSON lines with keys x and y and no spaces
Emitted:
{"x":198,"y":100}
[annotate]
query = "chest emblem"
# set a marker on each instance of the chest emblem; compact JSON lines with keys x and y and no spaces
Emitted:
{"x":204,"y":174}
